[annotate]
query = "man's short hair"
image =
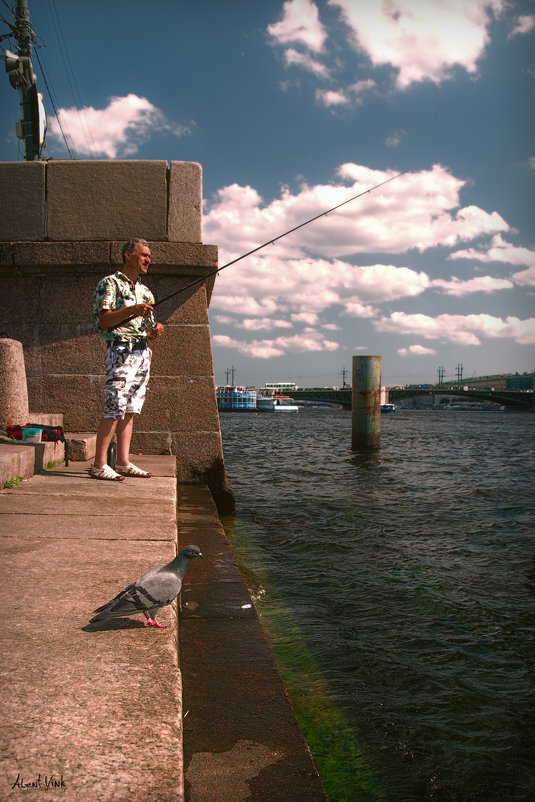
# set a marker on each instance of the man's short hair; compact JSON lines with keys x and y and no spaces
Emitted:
{"x":130,"y":246}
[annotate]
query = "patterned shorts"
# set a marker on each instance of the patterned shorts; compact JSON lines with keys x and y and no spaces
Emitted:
{"x":127,"y":376}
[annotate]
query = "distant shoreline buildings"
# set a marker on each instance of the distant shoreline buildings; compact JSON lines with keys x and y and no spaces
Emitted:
{"x":501,"y":381}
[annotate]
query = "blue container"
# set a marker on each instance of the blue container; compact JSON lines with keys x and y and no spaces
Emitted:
{"x":31,"y":434}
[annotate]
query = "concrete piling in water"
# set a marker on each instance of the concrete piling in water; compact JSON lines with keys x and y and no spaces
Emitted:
{"x":366,"y":402}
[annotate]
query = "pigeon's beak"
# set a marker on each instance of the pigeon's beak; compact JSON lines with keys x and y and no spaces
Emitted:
{"x":200,"y":555}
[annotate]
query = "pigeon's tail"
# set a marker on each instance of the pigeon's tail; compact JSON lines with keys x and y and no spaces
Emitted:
{"x":105,"y":611}
{"x":108,"y":611}
{"x":133,"y":599}
{"x":102,"y":616}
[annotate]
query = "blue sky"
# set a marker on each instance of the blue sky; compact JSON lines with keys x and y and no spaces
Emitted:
{"x":292,"y":107}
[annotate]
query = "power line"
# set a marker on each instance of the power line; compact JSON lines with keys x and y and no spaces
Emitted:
{"x":43,"y":73}
{"x":72,"y":83}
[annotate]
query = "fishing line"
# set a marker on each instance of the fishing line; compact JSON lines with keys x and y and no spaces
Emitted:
{"x":73,"y":84}
{"x":265,"y":244}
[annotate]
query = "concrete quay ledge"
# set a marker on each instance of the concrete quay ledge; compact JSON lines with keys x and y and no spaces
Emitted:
{"x":117,"y":712}
{"x":241,"y":738}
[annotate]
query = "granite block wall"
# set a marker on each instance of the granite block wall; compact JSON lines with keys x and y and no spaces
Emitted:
{"x":64,"y":227}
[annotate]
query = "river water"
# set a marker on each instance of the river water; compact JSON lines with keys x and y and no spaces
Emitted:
{"x":397,"y":590}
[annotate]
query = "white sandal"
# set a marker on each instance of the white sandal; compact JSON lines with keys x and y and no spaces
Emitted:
{"x":132,"y":470}
{"x":106,"y":473}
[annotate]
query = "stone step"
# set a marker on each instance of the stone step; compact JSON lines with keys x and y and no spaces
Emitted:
{"x":22,"y":460}
{"x":46,"y":418}
{"x":15,"y":461}
{"x":81,"y":445}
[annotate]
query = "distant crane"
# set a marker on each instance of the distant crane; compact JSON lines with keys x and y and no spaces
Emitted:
{"x":32,"y":126}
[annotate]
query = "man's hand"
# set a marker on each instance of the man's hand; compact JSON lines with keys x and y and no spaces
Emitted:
{"x":155,"y":332}
{"x":141,"y":310}
{"x":114,"y":317}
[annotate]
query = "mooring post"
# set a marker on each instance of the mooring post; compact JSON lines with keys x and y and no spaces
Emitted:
{"x":366,"y":402}
{"x":13,"y":387}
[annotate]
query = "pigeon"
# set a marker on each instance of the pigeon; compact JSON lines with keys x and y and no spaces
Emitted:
{"x":155,"y":589}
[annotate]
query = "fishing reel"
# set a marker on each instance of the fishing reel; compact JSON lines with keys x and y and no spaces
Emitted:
{"x":148,"y":322}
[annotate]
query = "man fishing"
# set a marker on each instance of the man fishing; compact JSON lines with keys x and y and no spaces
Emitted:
{"x":123,"y":311}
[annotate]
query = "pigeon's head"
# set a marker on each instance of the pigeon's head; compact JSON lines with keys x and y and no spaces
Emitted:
{"x":191,"y":551}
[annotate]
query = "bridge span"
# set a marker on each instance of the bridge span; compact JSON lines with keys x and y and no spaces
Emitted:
{"x":512,"y":399}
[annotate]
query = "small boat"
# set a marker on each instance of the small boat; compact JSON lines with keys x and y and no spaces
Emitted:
{"x":279,"y":403}
{"x":388,"y":407}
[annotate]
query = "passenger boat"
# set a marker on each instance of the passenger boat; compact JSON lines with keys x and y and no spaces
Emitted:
{"x":275,"y":403}
{"x":388,"y":407}
{"x":235,"y":399}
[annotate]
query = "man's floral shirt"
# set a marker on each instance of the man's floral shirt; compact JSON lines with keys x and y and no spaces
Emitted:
{"x":114,"y":292}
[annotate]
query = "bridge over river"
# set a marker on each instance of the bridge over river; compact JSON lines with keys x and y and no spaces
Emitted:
{"x":512,"y":399}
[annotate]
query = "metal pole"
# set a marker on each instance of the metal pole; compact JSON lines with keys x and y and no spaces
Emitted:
{"x":366,"y":402}
{"x":22,"y":77}
{"x":25,"y":38}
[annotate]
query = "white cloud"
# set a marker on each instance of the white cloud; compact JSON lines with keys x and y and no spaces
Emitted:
{"x":461,"y":329}
{"x":360,"y":87}
{"x":310,"y":318}
{"x":309,"y":341}
{"x":525,"y":278}
{"x":423,"y":40}
{"x":524,"y":24}
{"x":419,"y":210}
{"x":416,"y":350}
{"x":115,"y":131}
{"x":393,"y":139}
{"x":287,"y":85}
{"x":303,"y":278}
{"x":329,"y":97}
{"x":257,"y":323}
{"x":344,"y":97}
{"x":303,"y":289}
{"x":458,"y":287}
{"x":499,"y":251}
{"x":356,"y":309}
{"x":295,"y":58}
{"x":260,"y":350}
{"x":300,"y":23}
{"x":224,"y":319}
{"x":244,"y":304}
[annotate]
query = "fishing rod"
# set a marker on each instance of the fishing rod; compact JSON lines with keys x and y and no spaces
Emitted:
{"x":264,"y":245}
{"x":275,"y":239}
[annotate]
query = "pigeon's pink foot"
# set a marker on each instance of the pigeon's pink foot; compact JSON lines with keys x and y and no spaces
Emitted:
{"x":152,"y":622}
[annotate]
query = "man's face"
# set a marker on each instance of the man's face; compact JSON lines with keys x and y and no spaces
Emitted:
{"x":138,"y":259}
